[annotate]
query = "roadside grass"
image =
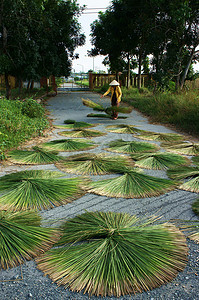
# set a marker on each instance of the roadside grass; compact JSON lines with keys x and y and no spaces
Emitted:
{"x":180,"y":109}
{"x":23,"y":93}
{"x":20,"y":121}
{"x":83,"y":82}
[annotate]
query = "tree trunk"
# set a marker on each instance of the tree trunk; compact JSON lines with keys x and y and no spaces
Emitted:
{"x":32,"y":84}
{"x":139,"y":69}
{"x":28,"y":85}
{"x":8,"y":88}
{"x":129,"y":72}
{"x":187,"y":68}
{"x":20,"y":86}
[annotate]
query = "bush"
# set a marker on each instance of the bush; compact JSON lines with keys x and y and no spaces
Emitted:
{"x":32,"y":109}
{"x":17,"y":127}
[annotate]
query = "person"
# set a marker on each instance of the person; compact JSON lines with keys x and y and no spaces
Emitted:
{"x":116,"y":95}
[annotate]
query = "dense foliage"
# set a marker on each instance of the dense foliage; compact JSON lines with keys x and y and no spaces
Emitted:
{"x":17,"y":124}
{"x":132,"y":29}
{"x":38,"y":37}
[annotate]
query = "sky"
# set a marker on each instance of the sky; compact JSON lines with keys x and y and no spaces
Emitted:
{"x":85,"y":63}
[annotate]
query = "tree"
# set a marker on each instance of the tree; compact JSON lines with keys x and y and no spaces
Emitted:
{"x":174,"y":39}
{"x":38,"y":38}
{"x":167,"y":30}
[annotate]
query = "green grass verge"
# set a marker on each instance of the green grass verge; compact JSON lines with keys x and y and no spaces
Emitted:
{"x":20,"y":121}
{"x":181,"y":110}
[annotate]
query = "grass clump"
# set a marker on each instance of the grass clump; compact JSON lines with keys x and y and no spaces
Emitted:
{"x":18,"y":125}
{"x":180,"y":109}
{"x":114,"y":254}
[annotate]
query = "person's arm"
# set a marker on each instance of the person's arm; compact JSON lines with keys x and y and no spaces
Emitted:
{"x":119,"y":91}
{"x":106,"y":93}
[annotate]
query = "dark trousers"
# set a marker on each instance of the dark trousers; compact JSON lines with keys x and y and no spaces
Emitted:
{"x":114,"y":102}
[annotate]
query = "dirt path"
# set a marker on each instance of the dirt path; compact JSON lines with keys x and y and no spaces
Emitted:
{"x":175,"y":204}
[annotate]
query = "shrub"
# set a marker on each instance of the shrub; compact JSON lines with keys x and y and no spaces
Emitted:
{"x":32,"y":109}
{"x":17,"y":127}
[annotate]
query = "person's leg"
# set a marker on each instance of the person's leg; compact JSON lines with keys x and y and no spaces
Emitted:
{"x":115,"y":113}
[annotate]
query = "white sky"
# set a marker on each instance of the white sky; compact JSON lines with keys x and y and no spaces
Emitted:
{"x":84,"y":63}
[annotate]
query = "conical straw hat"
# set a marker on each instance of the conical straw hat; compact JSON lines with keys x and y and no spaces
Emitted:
{"x":114,"y":82}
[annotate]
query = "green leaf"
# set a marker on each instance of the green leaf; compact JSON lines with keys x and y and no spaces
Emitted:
{"x":183,"y":172}
{"x":69,"y":145}
{"x":161,"y":137}
{"x":92,"y":164}
{"x":108,"y":110}
{"x":123,"y":129}
{"x":183,"y":148}
{"x":35,"y":156}
{"x":76,"y":125}
{"x":91,"y":104}
{"x":131,"y":146}
{"x":85,"y":133}
{"x":192,"y":173}
{"x":28,"y":190}
{"x":132,"y":184}
{"x":114,"y":254}
{"x":195,"y":160}
{"x":103,"y":116}
{"x":195,"y":207}
{"x":159,"y":160}
{"x":22,"y":238}
{"x":190,"y":228}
